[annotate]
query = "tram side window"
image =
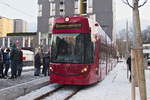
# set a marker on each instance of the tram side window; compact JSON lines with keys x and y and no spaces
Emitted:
{"x":102,"y":53}
{"x":89,"y":49}
{"x":53,"y":50}
{"x":105,"y":53}
{"x":79,"y":48}
{"x":108,"y":52}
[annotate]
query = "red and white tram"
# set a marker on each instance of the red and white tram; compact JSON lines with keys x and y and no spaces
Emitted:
{"x":81,"y":52}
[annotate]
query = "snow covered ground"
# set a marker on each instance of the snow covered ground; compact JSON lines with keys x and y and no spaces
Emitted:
{"x":25,"y":68}
{"x":27,"y":75}
{"x":115,"y":86}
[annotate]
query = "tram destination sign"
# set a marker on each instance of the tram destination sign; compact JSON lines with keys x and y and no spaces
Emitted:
{"x":67,"y":25}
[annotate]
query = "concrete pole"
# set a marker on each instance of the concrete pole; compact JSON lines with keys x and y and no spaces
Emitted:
{"x":23,"y":41}
{"x":29,"y":41}
{"x":8,"y":42}
{"x":3,"y":42}
{"x":126,"y":43}
{"x":127,"y":38}
{"x":47,"y":39}
{"x":39,"y":38}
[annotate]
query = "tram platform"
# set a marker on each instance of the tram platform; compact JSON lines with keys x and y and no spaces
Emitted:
{"x":12,"y":88}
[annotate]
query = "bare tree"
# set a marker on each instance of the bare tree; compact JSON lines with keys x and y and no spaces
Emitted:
{"x":146,"y":35}
{"x":137,"y":29}
{"x":135,"y":4}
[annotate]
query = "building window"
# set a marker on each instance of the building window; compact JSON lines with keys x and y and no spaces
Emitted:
{"x":61,"y":2}
{"x":52,"y":9}
{"x":76,"y":6}
{"x":62,"y":8}
{"x":90,"y":6}
{"x":40,"y":10}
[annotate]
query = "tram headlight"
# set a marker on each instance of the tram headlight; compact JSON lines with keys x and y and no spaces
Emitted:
{"x":51,"y":68}
{"x":67,"y":19}
{"x":84,"y":70}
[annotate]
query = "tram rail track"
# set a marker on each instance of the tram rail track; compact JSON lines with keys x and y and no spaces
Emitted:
{"x":50,"y":93}
{"x":71,"y":95}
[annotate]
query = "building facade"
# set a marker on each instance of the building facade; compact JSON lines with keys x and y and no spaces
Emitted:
{"x":20,"y":25}
{"x":102,"y":11}
{"x":6,"y":26}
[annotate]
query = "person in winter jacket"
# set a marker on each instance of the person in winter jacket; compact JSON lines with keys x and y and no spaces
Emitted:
{"x":6,"y":61}
{"x":129,"y":65}
{"x":20,"y":63}
{"x":14,"y":57}
{"x":1,"y":64}
{"x":37,"y":63}
{"x":46,"y":61}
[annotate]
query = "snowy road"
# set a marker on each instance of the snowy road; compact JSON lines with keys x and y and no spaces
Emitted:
{"x":115,"y":87}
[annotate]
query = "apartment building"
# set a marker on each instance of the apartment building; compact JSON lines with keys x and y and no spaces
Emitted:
{"x":6,"y":26}
{"x":20,"y":25}
{"x":103,"y":11}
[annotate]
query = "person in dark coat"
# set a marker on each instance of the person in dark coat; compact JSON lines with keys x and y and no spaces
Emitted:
{"x":6,"y":61}
{"x":129,"y":65}
{"x":1,"y":64}
{"x":37,"y":64}
{"x":20,"y":63}
{"x":14,"y":57}
{"x":46,"y":60}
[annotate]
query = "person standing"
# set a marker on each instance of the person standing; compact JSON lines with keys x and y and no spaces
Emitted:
{"x":37,"y":63}
{"x":1,"y":64}
{"x":20,"y":63}
{"x":6,"y":61}
{"x":14,"y":57}
{"x":129,"y":66}
{"x":117,"y":59}
{"x":46,"y":60}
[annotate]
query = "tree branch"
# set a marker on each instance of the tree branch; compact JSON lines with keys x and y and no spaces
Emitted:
{"x":124,"y":2}
{"x":127,"y":3}
{"x":143,"y":4}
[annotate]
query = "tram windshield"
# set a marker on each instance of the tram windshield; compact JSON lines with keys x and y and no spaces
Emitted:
{"x":71,"y":48}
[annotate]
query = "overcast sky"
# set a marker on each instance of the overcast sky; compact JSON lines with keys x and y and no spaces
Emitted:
{"x":27,"y":10}
{"x":22,"y":9}
{"x":125,"y":12}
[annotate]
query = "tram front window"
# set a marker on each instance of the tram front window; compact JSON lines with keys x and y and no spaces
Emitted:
{"x":72,"y":48}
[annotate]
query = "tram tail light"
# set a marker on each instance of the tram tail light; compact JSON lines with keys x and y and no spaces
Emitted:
{"x":23,"y":58}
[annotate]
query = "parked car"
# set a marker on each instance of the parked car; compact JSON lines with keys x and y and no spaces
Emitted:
{"x":28,"y":57}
